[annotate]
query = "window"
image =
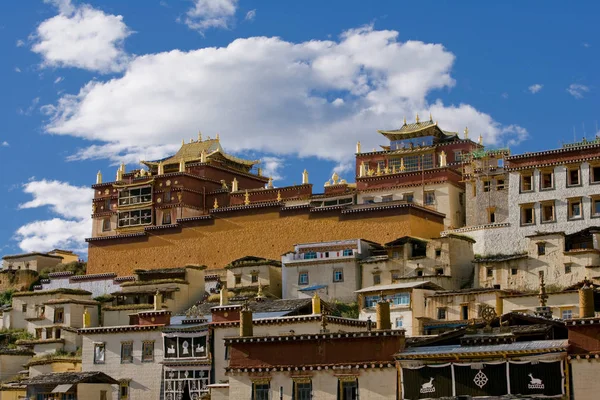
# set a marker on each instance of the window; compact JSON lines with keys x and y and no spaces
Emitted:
{"x":368,"y":200}
{"x":526,"y":183}
{"x":226,"y":352}
{"x":376,"y":279}
{"x":457,"y":155}
{"x":338,"y":275}
{"x":541,"y":249}
{"x":395,"y":254}
{"x":103,"y":395}
{"x":371,"y":301}
{"x":567,"y":314}
{"x":107,"y":204}
{"x":24,"y":308}
{"x":311,"y":255}
{"x":595,"y":207}
{"x":254,"y":278}
{"x":464,"y":311}
{"x":135,"y":196}
{"x":167,"y":197}
{"x":303,"y":390}
{"x":57,"y":333}
{"x":474,"y":189}
{"x":575,"y":208}
{"x":238,"y":279}
{"x":441,"y":313}
{"x":48,"y":333}
{"x":527,"y":215}
{"x":513,"y":271}
{"x":303,"y":278}
{"x":166,"y":220}
{"x":573,"y":177}
{"x":500,"y":185}
{"x":106,"y":224}
{"x":59,"y":315}
{"x":490,"y":272}
{"x":438,"y":252}
{"x":461,"y":199}
{"x":38,"y":333}
{"x":546,"y":180}
{"x":123,"y":390}
{"x":386,"y":199}
{"x":408,"y":197}
{"x":347,"y":252}
{"x":261,"y":391}
{"x":548,"y":212}
{"x":595,"y":174}
{"x":148,"y":351}
{"x":99,"y":350}
{"x":439,"y":271}
{"x":419,"y":272}
{"x":492,"y":215}
{"x":135,"y":218}
{"x":400,"y":299}
{"x":486,"y":186}
{"x":567,"y":268}
{"x":395,"y":276}
{"x":430,"y":198}
{"x":349,"y":390}
{"x":399,"y":322}
{"x":126,"y":352}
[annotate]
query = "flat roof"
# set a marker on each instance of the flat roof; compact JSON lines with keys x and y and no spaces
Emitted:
{"x":402,"y":285}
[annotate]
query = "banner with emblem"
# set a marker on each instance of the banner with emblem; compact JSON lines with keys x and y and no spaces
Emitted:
{"x":427,"y":382}
{"x":481,"y":379}
{"x":537,"y":378}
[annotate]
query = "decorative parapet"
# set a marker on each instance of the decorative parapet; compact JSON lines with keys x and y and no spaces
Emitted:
{"x":474,"y":228}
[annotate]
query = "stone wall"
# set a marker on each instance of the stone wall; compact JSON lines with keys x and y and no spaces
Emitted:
{"x":264,"y":233}
{"x":17,"y":279}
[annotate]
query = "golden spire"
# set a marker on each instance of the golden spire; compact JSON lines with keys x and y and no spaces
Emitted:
{"x":99,"y":177}
{"x":182,"y":142}
{"x":161,"y":168}
{"x":234,"y":185}
{"x":279,"y":195}
{"x":378,"y":169}
{"x":270,"y":183}
{"x":417,"y":118}
{"x":402,"y":167}
{"x":480,"y":140}
{"x":216,"y":204}
{"x":203,"y":156}
{"x":358,"y":147}
{"x":217,"y":137}
{"x":394,"y":169}
{"x":404,"y":120}
{"x":246,"y":198}
{"x":199,"y":136}
{"x":305,"y":177}
{"x":466,"y":132}
{"x":430,"y":117}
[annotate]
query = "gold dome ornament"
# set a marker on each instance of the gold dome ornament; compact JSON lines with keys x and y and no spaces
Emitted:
{"x":279,"y":195}
{"x":246,"y":198}
{"x":216,"y":204}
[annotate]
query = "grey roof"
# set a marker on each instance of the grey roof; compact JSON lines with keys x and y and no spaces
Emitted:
{"x":402,"y":285}
{"x":72,"y":378}
{"x":457,"y":349}
{"x":266,"y":306}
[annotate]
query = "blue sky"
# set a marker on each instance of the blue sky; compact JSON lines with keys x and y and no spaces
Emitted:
{"x":86,"y":85}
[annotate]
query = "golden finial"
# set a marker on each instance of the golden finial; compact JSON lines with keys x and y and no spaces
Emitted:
{"x":357,"y":147}
{"x":199,"y":136}
{"x":217,"y":137}
{"x":246,"y":198}
{"x":278,"y":195}
{"x":335,"y":178}
{"x":430,"y":117}
{"x":417,"y":118}
{"x":99,"y":177}
{"x":466,"y":132}
{"x":402,"y":167}
{"x":480,"y":140}
{"x":404,"y":120}
{"x":394,"y":169}
{"x":216,"y":204}
{"x":182,"y":142}
{"x":305,"y":177}
{"x":378,"y":169}
{"x":270,"y":183}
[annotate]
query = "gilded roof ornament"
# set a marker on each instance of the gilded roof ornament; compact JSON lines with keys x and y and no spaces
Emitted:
{"x":99,"y":177}
{"x":480,"y":141}
{"x":305,"y":177}
{"x":199,"y":136}
{"x":217,"y":137}
{"x":430,"y":117}
{"x":279,"y":195}
{"x":404,"y":120}
{"x":335,"y":177}
{"x":466,"y":132}
{"x":358,"y":147}
{"x":246,"y":198}
{"x":402,"y":167}
{"x":418,"y":118}
{"x":216,"y":204}
{"x":270,"y":183}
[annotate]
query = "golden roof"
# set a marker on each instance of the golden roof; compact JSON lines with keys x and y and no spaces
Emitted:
{"x":190,"y":152}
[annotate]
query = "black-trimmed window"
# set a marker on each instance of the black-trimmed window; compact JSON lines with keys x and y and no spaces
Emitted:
{"x":302,"y":390}
{"x":595,"y":203}
{"x":148,"y":351}
{"x":430,"y":198}
{"x":126,"y":352}
{"x":541,"y":248}
{"x":166,"y":219}
{"x":500,"y":185}
{"x":135,"y":217}
{"x":135,"y":196}
{"x":254,"y":277}
{"x":377,"y":279}
{"x":124,"y":389}
{"x":595,"y":174}
{"x":106,"y":224}
{"x":303,"y":278}
{"x":99,"y":353}
{"x":348,"y":389}
{"x":59,"y":315}
{"x":338,"y":275}
{"x":260,"y":391}
{"x":441,"y":313}
{"x":573,"y":176}
{"x":487,"y":185}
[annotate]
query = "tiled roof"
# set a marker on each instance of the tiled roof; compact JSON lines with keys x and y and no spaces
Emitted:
{"x":58,"y":378}
{"x":192,"y":152}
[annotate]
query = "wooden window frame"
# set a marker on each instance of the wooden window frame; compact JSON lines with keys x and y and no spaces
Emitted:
{"x":543,"y":205}
{"x":552,"y":180}
{"x":522,"y":182}
{"x":525,"y":207}
{"x":569,"y":183}
{"x":570,"y":202}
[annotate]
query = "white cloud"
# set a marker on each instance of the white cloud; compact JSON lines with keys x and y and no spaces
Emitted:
{"x":504,"y":95}
{"x":59,"y":79}
{"x":208,"y":14}
{"x":17,"y":69}
{"x":535,"y":88}
{"x":29,"y":110}
{"x":576,"y":90}
{"x":5,"y":144}
{"x":72,"y":224}
{"x":271,"y":166}
{"x":250,"y":15}
{"x":270,"y":95}
{"x":82,"y":37}
{"x":20,"y":43}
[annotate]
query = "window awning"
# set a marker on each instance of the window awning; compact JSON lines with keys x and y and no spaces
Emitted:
{"x":62,"y":388}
